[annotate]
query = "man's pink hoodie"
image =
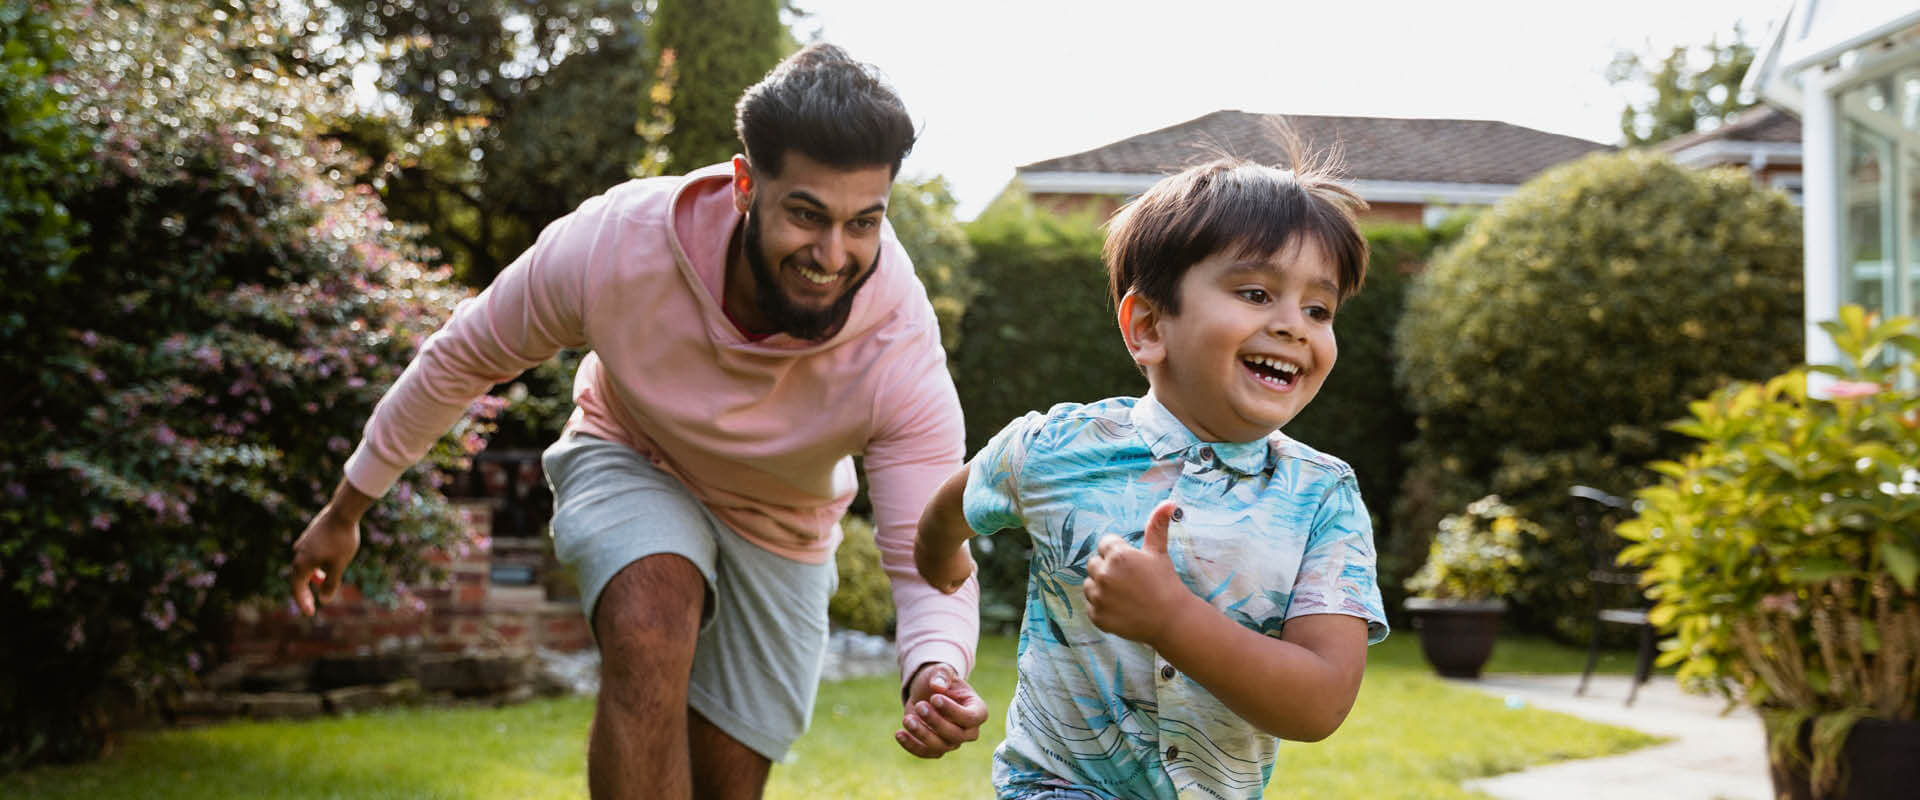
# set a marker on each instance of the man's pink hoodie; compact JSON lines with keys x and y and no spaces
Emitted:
{"x":761,"y":432}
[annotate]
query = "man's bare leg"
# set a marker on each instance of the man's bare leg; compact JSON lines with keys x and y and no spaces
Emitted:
{"x":647,"y":622}
{"x":723,"y":768}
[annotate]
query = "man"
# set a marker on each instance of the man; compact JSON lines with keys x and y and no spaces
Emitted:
{"x":753,"y":325}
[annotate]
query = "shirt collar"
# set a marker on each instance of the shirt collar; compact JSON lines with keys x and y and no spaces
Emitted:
{"x":1168,"y":438}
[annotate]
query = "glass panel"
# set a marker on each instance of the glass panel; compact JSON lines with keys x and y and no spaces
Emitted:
{"x":1868,"y":279}
{"x":1910,"y":255}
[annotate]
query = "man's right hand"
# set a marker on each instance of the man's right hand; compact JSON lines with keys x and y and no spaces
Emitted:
{"x":323,"y":550}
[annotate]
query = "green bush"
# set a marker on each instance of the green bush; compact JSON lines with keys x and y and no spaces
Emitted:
{"x":1783,"y":552}
{"x":238,"y":312}
{"x":864,"y":599}
{"x":1550,"y":346}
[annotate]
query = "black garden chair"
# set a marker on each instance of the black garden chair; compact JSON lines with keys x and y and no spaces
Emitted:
{"x":1617,"y":599}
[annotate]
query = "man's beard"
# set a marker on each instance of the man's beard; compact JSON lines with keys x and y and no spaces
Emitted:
{"x":782,"y":315}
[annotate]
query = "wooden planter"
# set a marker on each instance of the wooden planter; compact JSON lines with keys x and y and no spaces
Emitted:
{"x":1880,"y":761}
{"x":1456,"y":636}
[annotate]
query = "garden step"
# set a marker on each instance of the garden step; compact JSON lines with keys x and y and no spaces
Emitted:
{"x":362,"y":698}
{"x":282,"y":705}
{"x":468,"y":675}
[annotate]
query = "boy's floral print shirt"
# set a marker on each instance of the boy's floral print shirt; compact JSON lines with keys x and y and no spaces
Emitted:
{"x":1269,"y":530}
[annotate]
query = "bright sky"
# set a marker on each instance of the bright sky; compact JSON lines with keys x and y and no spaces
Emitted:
{"x":1001,"y":83}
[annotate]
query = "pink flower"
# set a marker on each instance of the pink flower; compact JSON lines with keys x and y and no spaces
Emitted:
{"x":1853,"y":389}
{"x":155,"y":501}
{"x":101,"y":521}
{"x":337,"y":444}
{"x":165,"y":436}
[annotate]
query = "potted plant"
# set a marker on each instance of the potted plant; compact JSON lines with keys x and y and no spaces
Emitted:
{"x":1782,"y":556}
{"x":1459,"y":593}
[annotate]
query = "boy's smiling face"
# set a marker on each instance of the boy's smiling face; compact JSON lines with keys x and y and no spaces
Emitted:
{"x":1251,"y":346}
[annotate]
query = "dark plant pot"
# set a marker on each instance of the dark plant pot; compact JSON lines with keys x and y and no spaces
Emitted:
{"x":1456,"y":636}
{"x":1880,"y":761}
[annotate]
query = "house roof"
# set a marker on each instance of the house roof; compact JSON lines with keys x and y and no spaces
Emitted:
{"x":1425,"y":151}
{"x":1754,"y":137}
{"x":1758,"y":124}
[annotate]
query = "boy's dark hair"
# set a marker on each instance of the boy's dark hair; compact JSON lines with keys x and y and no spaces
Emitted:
{"x":1230,"y":204}
{"x":828,"y":106}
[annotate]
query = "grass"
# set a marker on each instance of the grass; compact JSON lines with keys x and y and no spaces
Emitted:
{"x":1410,"y":736}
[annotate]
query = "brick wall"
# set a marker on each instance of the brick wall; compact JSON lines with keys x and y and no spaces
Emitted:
{"x":467,"y":612}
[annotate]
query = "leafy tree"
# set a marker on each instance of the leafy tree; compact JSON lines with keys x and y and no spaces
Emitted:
{"x":722,"y":46}
{"x":240,"y":309}
{"x":1683,"y":98}
{"x":498,"y":116}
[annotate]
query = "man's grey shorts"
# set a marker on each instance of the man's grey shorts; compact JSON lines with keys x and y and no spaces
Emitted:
{"x":756,"y":664}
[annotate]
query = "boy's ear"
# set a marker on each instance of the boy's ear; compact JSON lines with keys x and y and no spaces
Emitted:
{"x":742,"y":184}
{"x":1139,"y":325}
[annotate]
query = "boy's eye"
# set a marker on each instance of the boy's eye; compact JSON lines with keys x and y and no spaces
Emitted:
{"x":1254,"y":295}
{"x":1320,"y":313}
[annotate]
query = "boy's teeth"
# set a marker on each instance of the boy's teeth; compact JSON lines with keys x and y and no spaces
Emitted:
{"x":1274,"y":364}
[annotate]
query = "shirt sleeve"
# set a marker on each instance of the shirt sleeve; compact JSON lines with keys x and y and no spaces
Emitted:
{"x":1338,"y":573}
{"x":917,"y":444}
{"x":532,"y":310}
{"x":991,"y":501}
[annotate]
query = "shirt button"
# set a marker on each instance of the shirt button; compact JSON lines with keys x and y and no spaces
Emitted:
{"x":1178,"y":514}
{"x":1166,"y":671}
{"x":1173,"y":753}
{"x":1206,"y":453}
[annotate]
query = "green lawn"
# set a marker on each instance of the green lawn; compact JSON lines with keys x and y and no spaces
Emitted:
{"x":1410,"y":736}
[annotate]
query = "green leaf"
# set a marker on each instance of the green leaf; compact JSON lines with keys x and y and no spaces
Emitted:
{"x":1902,"y":562}
{"x":1821,"y":569}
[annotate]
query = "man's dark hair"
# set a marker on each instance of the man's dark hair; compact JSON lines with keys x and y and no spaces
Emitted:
{"x":1230,"y":205}
{"x":828,"y":106}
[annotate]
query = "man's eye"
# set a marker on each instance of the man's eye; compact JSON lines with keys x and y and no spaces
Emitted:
{"x":864,"y":224}
{"x":1254,"y":295}
{"x":808,"y":217}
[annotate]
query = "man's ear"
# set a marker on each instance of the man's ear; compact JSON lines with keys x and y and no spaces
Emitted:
{"x":742,"y":184}
{"x":1139,"y":325}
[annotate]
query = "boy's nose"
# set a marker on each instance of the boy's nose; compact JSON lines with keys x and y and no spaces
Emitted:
{"x":1286,"y":323}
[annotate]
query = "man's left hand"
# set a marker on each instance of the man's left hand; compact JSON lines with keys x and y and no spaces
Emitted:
{"x":942,"y":713}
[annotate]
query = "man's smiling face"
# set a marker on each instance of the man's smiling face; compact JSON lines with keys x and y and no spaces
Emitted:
{"x":810,"y":240}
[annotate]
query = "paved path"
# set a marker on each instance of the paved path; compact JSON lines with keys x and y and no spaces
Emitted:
{"x":1711,"y":757}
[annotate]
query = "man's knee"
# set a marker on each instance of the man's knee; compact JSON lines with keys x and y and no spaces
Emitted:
{"x":650,"y":612}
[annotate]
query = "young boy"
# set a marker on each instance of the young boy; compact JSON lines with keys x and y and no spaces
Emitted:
{"x":1200,"y":583}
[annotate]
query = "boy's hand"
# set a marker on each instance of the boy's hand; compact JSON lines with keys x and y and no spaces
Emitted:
{"x":946,"y":572}
{"x":1134,"y":592}
{"x":942,"y":713}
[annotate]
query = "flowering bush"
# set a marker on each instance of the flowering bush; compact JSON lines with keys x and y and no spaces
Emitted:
{"x":1476,"y":555}
{"x":1782,"y":554}
{"x":235,"y":313}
